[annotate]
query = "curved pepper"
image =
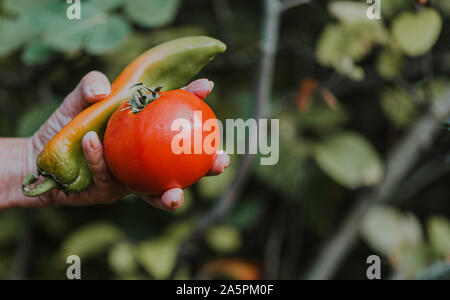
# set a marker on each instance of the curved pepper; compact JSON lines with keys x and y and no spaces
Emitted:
{"x":170,"y":65}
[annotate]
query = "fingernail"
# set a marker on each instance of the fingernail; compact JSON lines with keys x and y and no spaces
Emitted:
{"x":173,"y":199}
{"x":227,"y":161}
{"x":177,"y":202}
{"x":94,"y":142}
{"x":98,"y":89}
{"x":225,"y":158}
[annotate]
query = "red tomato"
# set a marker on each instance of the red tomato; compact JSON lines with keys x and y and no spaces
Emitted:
{"x":138,"y":147}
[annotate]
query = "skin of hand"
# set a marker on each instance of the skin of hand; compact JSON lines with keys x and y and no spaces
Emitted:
{"x":17,"y":156}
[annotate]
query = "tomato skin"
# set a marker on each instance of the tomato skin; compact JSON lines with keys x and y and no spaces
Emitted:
{"x":138,"y":146}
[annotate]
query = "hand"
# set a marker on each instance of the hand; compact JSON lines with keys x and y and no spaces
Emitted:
{"x":92,"y":88}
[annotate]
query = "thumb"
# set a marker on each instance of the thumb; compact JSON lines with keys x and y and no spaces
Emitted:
{"x":93,"y":151}
{"x":93,"y":87}
{"x":201,"y":88}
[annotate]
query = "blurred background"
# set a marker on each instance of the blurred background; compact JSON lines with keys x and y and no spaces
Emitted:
{"x":364,"y":154}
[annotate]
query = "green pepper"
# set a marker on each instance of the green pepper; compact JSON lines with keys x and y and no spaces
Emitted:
{"x":170,"y":65}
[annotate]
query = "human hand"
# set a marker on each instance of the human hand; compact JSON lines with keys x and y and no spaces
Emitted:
{"x":93,"y":88}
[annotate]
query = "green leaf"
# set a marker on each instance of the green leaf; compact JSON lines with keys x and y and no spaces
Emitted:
{"x":391,"y":7}
{"x":13,"y":34}
{"x":152,"y":13}
{"x":390,"y":64}
{"x":158,"y":256}
{"x":105,"y":5}
{"x":437,"y":87}
{"x":350,"y":160}
{"x":342,"y":45}
{"x":322,"y":118}
{"x":411,"y":261}
{"x":10,"y":223}
{"x":23,"y":6}
{"x":97,"y":31}
{"x":443,"y":5}
{"x":70,"y":41}
{"x":348,"y":11}
{"x":387,"y":230}
{"x":74,"y":30}
{"x":439,"y":234}
{"x":180,"y":230}
{"x":331,"y":46}
{"x":36,"y":54}
{"x":224,"y":238}
{"x":107,"y":36}
{"x":33,"y":18}
{"x":417,"y":33}
{"x":122,"y":259}
{"x":91,"y":240}
{"x":398,"y":107}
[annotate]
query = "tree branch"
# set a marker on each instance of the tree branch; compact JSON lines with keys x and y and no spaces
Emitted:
{"x":399,"y":164}
{"x":274,"y":246}
{"x":421,"y":179}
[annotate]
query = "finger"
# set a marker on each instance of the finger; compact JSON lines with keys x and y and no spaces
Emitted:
{"x":92,"y":88}
{"x":154,"y":201}
{"x":172,"y":199}
{"x":220,"y":164}
{"x":93,"y":152}
{"x":201,"y":88}
{"x":95,"y":86}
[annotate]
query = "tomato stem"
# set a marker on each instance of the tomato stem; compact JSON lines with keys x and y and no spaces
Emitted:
{"x":143,"y":97}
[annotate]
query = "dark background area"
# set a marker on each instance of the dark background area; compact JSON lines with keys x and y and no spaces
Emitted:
{"x":347,"y":91}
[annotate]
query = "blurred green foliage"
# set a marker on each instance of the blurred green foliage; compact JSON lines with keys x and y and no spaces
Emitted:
{"x":43,"y":28}
{"x":401,"y":238}
{"x":381,"y":74}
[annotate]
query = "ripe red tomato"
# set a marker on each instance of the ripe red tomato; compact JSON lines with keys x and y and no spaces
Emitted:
{"x":138,"y":147}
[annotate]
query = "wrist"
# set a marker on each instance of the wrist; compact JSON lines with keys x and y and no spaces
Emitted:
{"x":30,"y":151}
{"x":17,"y":157}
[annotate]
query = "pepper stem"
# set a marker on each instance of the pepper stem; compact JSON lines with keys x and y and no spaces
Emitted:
{"x":48,"y":185}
